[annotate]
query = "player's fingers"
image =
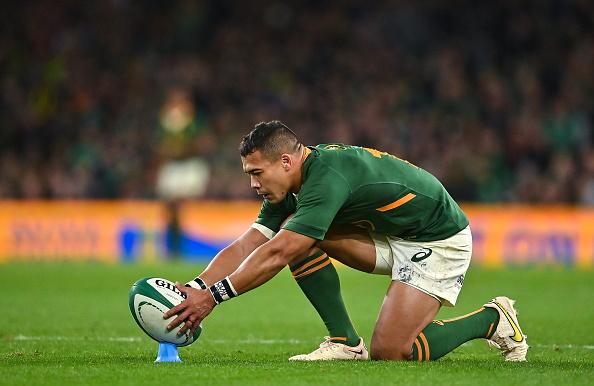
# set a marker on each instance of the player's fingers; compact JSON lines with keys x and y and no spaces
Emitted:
{"x":186,"y":326}
{"x":195,"y":327}
{"x":191,"y":323}
{"x":181,"y":318}
{"x":176,"y":322}
{"x":181,"y":287}
{"x":175,"y":310}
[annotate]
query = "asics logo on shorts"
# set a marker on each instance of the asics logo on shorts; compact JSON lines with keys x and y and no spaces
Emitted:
{"x":419,"y":256}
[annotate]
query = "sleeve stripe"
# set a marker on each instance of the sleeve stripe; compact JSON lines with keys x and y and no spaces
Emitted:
{"x":397,"y":203}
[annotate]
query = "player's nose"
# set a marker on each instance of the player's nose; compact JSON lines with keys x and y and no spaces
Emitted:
{"x":254,"y":183}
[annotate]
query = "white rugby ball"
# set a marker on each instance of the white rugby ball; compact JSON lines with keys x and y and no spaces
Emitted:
{"x":149,"y":299}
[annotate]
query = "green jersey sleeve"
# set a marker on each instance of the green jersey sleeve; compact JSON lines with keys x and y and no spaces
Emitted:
{"x":321,"y":197}
{"x":272,"y":215}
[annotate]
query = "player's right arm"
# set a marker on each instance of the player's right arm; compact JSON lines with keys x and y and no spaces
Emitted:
{"x":269,"y":221}
{"x":231,"y":257}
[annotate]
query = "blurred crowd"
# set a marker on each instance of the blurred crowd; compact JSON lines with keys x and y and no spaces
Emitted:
{"x":494,"y":98}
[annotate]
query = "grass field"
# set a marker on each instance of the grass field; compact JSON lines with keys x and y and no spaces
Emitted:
{"x":69,"y":324}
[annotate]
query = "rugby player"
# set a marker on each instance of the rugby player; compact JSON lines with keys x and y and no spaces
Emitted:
{"x":373,"y":212}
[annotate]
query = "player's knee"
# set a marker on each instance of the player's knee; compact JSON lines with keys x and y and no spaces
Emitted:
{"x":383,"y":351}
{"x":298,"y":259}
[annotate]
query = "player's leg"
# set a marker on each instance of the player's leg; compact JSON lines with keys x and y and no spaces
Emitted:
{"x":443,"y":336}
{"x":404,"y":314}
{"x":406,"y":310}
{"x":425,"y":275}
{"x":412,"y":301}
{"x":399,"y":333}
{"x":404,"y":329}
{"x":319,"y":281}
{"x":351,"y":245}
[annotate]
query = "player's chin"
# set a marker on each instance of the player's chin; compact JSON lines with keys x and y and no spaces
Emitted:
{"x":272,"y":199}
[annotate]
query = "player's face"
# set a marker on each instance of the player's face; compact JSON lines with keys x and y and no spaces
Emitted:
{"x":271,"y":180}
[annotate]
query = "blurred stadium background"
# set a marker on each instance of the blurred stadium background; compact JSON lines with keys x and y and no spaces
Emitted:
{"x":120,"y":119}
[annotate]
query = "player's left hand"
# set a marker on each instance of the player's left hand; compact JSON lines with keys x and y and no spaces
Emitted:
{"x":190,"y":312}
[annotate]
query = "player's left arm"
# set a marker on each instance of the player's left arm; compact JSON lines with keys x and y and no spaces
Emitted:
{"x":259,"y":267}
{"x":269,"y":259}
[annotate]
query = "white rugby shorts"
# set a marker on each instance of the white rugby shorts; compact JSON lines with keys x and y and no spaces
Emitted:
{"x":434,"y":267}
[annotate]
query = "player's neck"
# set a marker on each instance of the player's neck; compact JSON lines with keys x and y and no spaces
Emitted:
{"x":304,"y":153}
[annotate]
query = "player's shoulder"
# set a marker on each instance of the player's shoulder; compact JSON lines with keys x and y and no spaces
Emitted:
{"x":333,"y":159}
{"x":334,"y":150}
{"x":323,"y":147}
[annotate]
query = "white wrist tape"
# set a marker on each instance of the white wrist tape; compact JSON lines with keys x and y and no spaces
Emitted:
{"x":196,"y":283}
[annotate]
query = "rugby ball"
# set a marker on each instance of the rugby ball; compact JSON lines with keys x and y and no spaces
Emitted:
{"x":149,"y":299}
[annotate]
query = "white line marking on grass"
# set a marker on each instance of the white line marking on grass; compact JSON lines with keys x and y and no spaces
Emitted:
{"x":555,"y":346}
{"x":131,"y":339}
{"x":270,"y":341}
{"x":587,"y":347}
{"x":257,"y":341}
{"x":74,"y":338}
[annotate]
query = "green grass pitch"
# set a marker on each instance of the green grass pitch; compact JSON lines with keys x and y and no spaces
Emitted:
{"x":69,"y":324}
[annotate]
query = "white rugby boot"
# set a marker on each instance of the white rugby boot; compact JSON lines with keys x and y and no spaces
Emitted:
{"x":332,"y":351}
{"x":508,"y":336}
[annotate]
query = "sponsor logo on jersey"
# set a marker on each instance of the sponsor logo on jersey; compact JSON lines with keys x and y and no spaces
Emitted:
{"x":366,"y":224}
{"x":335,"y":147}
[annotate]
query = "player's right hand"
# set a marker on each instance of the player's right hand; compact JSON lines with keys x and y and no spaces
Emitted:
{"x":197,"y":306}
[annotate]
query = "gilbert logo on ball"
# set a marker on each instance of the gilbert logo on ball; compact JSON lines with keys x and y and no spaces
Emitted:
{"x":149,"y":299}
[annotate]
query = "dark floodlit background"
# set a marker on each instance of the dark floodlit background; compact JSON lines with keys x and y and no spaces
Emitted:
{"x":120,"y":122}
{"x":496,"y":98}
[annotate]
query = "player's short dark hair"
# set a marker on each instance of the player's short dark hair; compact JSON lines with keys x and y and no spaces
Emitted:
{"x":272,"y":139}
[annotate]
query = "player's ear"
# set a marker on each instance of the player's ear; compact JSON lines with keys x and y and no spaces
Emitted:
{"x":287,"y":161}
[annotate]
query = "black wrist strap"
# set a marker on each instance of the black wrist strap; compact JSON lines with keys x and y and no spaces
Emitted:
{"x":222,"y":290}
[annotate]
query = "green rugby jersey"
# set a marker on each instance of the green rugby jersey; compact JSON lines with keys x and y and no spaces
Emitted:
{"x":371,"y":189}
